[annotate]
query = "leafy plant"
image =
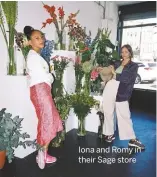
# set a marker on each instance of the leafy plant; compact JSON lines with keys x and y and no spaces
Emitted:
{"x":10,"y":134}
{"x":105,"y":50}
{"x":63,"y":105}
{"x":105,"y":54}
{"x":8,"y":16}
{"x":82,"y":104}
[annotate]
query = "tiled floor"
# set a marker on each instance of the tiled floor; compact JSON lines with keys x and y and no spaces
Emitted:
{"x":68,"y":156}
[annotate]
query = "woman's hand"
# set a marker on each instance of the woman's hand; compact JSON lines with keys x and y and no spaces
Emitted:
{"x":99,"y":69}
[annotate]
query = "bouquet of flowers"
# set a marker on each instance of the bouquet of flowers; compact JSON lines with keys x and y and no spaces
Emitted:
{"x":59,"y":21}
{"x":60,"y":63}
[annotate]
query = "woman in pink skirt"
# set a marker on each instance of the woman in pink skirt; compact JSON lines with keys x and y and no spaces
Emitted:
{"x":40,"y":81}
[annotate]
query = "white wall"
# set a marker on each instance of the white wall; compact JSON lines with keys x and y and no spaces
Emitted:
{"x":111,"y":19}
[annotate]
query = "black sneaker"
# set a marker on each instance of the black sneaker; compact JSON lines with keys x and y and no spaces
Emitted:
{"x":136,"y":143}
{"x":109,"y":138}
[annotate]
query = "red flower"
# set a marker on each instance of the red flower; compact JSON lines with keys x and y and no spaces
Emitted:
{"x":86,"y":48}
{"x":49,"y":20}
{"x":61,"y":12}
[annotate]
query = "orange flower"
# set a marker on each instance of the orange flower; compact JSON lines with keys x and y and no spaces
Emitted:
{"x":49,"y":20}
{"x":52,"y":9}
{"x":61,"y":12}
{"x":47,"y":7}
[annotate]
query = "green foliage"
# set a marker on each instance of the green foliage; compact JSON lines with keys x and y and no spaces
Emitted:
{"x":8,"y":15}
{"x":82,"y":104}
{"x":105,"y":54}
{"x":94,"y":42}
{"x":63,"y":105}
{"x":86,"y":54}
{"x":10,"y":134}
{"x":105,"y":50}
{"x":96,"y":85}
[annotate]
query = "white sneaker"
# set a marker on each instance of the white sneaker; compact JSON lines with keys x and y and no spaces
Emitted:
{"x":41,"y":159}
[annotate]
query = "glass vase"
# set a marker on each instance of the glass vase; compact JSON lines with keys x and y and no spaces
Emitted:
{"x":81,"y":127}
{"x":11,"y":68}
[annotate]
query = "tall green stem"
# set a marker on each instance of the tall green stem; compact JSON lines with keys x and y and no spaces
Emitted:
{"x":87,"y":83}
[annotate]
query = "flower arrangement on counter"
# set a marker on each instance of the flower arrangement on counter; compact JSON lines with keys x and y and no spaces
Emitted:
{"x":60,"y":63}
{"x":58,"y":19}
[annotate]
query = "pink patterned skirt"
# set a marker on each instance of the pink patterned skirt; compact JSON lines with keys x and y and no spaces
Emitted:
{"x":49,"y":121}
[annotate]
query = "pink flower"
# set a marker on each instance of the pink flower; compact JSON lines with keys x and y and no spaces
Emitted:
{"x":77,"y":60}
{"x":94,"y":75}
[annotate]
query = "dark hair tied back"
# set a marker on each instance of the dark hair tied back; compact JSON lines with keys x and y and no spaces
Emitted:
{"x":28,"y":31}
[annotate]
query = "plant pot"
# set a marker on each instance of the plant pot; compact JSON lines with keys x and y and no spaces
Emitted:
{"x":81,"y":127}
{"x":2,"y":158}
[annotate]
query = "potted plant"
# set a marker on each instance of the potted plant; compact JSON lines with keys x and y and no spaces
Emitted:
{"x":8,"y":16}
{"x":104,"y":55}
{"x":82,"y":104}
{"x":11,"y":136}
